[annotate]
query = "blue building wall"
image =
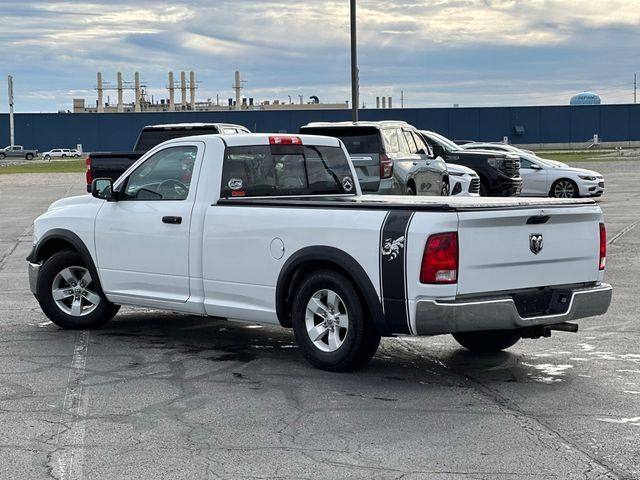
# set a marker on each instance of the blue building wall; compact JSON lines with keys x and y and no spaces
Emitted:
{"x":556,"y":124}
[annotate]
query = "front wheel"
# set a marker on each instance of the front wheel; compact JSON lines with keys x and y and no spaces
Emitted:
{"x":564,"y":188}
{"x":487,"y":341}
{"x":68,"y":295}
{"x":47,"y":157}
{"x":329,"y":323}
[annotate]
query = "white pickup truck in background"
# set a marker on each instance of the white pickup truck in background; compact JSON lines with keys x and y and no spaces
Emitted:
{"x":274,"y":229}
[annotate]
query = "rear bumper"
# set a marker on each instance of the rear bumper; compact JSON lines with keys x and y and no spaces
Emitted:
{"x":500,"y":312}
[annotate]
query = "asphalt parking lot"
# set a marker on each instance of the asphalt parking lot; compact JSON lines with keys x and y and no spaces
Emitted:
{"x":164,"y":396}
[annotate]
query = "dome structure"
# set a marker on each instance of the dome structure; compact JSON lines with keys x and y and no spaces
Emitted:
{"x":585,"y":98}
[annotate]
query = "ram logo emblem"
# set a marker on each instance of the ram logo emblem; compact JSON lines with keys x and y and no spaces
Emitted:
{"x":391,"y":248}
{"x":535,"y":243}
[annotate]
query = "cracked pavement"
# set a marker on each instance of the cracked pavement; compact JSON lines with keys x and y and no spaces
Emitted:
{"x":158,"y":395}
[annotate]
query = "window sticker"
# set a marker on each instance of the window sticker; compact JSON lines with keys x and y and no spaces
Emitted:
{"x":347,"y":184}
{"x":235,"y":184}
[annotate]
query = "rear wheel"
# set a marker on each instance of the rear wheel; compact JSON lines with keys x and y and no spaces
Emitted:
{"x":2,"y":155}
{"x":487,"y":341}
{"x":411,"y":189}
{"x":444,"y":190}
{"x":564,"y":188}
{"x":68,"y":295}
{"x":29,"y":156}
{"x":329,"y":323}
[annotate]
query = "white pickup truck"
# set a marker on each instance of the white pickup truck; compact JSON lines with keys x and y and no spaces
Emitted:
{"x":274,"y":229}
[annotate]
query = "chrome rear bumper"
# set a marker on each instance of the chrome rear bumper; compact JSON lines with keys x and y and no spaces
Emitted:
{"x":500,"y":312}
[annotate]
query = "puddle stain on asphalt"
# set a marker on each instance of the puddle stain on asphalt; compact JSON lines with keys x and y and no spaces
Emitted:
{"x":549,"y":373}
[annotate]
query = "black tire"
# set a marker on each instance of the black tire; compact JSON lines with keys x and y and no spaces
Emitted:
{"x":411,"y":190}
{"x":2,"y":155}
{"x":29,"y":156}
{"x":444,"y":189}
{"x":564,"y":188}
{"x":487,"y":341}
{"x":64,"y":155}
{"x":64,"y":311}
{"x":47,"y":157}
{"x":360,"y":340}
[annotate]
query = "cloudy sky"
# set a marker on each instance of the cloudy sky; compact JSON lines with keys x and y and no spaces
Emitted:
{"x":439,"y":52}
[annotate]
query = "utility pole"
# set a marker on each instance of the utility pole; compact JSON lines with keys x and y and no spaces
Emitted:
{"x":634,"y":88}
{"x":354,"y":65}
{"x":12,"y":133}
{"x":401,"y":98}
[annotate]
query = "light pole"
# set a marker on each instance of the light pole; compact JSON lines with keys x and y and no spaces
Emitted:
{"x":11,"y":127}
{"x":354,"y":65}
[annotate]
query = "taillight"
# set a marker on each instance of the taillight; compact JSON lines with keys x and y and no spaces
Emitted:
{"x":89,"y":175}
{"x":603,"y":246}
{"x":386,"y":166}
{"x":440,"y":259}
{"x":284,"y":140}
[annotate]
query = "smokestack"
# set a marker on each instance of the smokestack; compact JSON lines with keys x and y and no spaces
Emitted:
{"x":390,"y":103}
{"x":384,"y":102}
{"x":192,"y":89}
{"x":120,"y":106}
{"x":100,"y":92}
{"x":377,"y":102}
{"x":136,"y":82}
{"x":237,"y":88}
{"x":172,"y":93}
{"x":183,"y":90}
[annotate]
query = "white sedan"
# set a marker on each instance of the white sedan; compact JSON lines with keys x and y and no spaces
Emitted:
{"x":463,"y":181}
{"x":542,"y":177}
{"x":60,"y":153}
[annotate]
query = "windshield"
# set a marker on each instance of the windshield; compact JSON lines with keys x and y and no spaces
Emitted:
{"x":444,"y":141}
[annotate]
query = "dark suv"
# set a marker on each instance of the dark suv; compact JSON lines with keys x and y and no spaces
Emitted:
{"x":499,"y":172}
{"x":390,"y":157}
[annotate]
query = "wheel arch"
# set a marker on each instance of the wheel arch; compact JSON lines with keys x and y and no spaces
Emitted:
{"x":59,"y":239}
{"x":311,"y":259}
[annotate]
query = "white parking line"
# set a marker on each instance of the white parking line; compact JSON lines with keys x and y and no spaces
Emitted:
{"x":68,"y":457}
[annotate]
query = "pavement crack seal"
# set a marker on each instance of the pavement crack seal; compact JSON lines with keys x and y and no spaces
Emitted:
{"x":623,"y":232}
{"x":65,"y":462}
{"x":532,"y":425}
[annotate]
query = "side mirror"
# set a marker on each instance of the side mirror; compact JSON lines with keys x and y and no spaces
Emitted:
{"x":102,"y":188}
{"x":438,"y":151}
{"x":535,"y":167}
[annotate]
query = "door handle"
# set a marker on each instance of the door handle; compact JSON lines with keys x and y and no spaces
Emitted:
{"x":172,"y":220}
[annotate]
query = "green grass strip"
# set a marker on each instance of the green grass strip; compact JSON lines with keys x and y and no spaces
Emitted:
{"x":64,"y":166}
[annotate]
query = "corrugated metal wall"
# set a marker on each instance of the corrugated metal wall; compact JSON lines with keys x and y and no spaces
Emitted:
{"x":118,"y":131}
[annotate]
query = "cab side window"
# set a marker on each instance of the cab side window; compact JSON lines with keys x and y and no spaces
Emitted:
{"x":413,"y":148}
{"x":165,"y":175}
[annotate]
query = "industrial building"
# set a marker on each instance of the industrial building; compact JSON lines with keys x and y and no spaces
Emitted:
{"x":144,"y":103}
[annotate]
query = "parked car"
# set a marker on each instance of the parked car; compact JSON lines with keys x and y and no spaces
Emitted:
{"x":17,"y":151}
{"x":60,"y":153}
{"x":499,"y":172}
{"x":463,"y":181}
{"x":390,"y":157}
{"x":274,"y":229}
{"x":542,"y":177}
{"x":113,"y":164}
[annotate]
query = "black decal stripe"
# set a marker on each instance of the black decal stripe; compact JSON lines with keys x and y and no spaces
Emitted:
{"x":406,"y":288}
{"x":393,"y":269}
{"x":384,"y":222}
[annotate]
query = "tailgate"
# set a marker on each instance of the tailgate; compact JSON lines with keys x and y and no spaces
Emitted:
{"x":497,"y":249}
{"x":368,"y":170}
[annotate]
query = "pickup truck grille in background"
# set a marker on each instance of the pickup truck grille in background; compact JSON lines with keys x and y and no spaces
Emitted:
{"x":511,"y":167}
{"x":474,"y":186}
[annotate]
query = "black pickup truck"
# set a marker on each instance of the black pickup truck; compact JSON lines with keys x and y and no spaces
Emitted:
{"x":499,"y":172}
{"x":113,"y":164}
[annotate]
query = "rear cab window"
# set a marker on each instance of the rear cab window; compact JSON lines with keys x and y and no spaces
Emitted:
{"x":285,"y":170}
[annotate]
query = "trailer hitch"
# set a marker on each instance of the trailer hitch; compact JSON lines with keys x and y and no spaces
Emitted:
{"x":545,"y":330}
